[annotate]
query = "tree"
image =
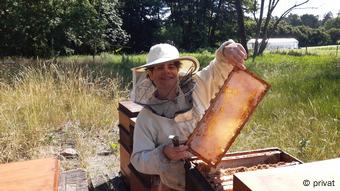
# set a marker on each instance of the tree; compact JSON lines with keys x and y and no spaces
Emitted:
{"x":294,"y":19}
{"x":116,"y":38}
{"x":334,"y":35}
{"x":48,"y":27}
{"x":240,"y":22}
{"x":105,"y":32}
{"x":192,"y":19}
{"x":263,"y":28}
{"x":310,"y":20}
{"x":26,"y":27}
{"x":92,"y":27}
{"x":303,"y":33}
{"x":333,"y":23}
{"x":327,"y":17}
{"x":142,"y":20}
{"x":200,"y":24}
{"x":319,"y":37}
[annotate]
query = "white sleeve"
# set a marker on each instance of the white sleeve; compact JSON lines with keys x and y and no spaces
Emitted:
{"x":147,"y":157}
{"x":211,"y":78}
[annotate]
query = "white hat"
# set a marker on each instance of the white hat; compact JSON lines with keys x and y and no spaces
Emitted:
{"x":162,"y":53}
{"x":143,"y":88}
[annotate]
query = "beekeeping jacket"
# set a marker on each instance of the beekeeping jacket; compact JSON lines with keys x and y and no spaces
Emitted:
{"x":152,"y":129}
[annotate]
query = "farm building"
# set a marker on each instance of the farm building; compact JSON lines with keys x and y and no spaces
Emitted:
{"x":276,"y":43}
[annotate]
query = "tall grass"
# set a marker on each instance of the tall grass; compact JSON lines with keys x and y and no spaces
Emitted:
{"x":301,"y":112}
{"x":37,"y":99}
{"x":331,"y":50}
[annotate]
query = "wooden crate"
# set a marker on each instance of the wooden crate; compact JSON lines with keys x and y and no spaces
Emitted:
{"x":40,"y":174}
{"x":124,"y":163}
{"x":129,"y":108}
{"x":127,"y":111}
{"x":124,"y":121}
{"x":135,"y":180}
{"x":125,"y":138}
{"x":143,"y":182}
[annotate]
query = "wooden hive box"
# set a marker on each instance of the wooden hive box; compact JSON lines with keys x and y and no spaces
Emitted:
{"x":39,"y":175}
{"x":135,"y":180}
{"x":202,"y":177}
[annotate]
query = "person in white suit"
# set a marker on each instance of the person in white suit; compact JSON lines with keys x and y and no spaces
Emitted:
{"x":175,"y":96}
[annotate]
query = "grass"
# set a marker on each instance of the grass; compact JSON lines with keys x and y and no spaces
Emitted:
{"x":301,"y":112}
{"x":40,"y":99}
{"x":331,"y":50}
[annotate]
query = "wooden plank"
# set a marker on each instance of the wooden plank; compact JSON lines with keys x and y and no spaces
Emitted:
{"x":73,"y":180}
{"x":136,"y":184}
{"x":124,"y":121}
{"x":41,"y":174}
{"x":125,"y":138}
{"x":124,"y":163}
{"x":321,"y":175}
{"x":249,"y":160}
{"x":143,"y":182}
{"x":147,"y":182}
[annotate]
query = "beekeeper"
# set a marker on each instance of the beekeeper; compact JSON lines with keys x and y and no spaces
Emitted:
{"x":175,"y":96}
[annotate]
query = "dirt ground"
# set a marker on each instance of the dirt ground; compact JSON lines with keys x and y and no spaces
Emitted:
{"x":92,"y":152}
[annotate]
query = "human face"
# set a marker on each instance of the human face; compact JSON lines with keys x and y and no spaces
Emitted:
{"x":165,"y":77}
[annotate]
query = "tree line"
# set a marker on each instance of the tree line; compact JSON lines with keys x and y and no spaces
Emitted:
{"x":59,"y":27}
{"x":310,"y":30}
{"x":48,"y":28}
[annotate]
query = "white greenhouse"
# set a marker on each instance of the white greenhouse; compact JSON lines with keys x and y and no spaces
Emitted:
{"x":276,"y":43}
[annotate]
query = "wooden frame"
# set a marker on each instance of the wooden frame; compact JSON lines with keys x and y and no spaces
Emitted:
{"x":210,"y":132}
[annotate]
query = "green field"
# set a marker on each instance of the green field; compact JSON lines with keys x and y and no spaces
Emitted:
{"x":300,"y":114}
{"x":331,"y":50}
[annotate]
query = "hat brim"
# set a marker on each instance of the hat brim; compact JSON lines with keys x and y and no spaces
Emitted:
{"x":188,"y":63}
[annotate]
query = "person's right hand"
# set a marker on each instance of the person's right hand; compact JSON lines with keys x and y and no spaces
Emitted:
{"x":176,"y":153}
{"x":235,"y":55}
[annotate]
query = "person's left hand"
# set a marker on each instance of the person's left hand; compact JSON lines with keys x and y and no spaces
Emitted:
{"x":235,"y":55}
{"x":176,"y":153}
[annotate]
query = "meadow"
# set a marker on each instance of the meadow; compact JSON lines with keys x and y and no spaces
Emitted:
{"x":300,"y":114}
{"x":45,"y":103}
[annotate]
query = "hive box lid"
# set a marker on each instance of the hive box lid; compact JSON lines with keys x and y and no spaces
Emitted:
{"x":320,"y":175}
{"x":41,"y":174}
{"x":130,"y":108}
{"x":226,"y":116}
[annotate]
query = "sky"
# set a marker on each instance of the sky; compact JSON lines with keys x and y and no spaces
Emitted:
{"x":315,"y":7}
